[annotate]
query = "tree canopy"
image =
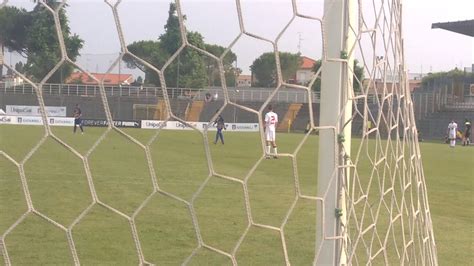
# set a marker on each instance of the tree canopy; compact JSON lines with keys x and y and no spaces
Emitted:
{"x":452,"y":75}
{"x":264,"y":68}
{"x":11,"y":33}
{"x":212,"y":67}
{"x":33,"y":35}
{"x":190,"y":69}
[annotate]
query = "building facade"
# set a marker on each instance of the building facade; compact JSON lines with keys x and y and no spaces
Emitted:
{"x":305,"y":73}
{"x":244,"y":81}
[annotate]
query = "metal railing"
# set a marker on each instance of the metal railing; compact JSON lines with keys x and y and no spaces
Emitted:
{"x":246,"y":94}
{"x":235,"y":94}
{"x":83,"y":90}
{"x":260,"y":95}
{"x":426,"y":103}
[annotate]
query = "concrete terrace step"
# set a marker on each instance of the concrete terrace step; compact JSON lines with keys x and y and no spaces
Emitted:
{"x":290,"y":116}
{"x":194,"y":112}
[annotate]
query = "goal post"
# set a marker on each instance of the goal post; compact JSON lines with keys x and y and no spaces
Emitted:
{"x":362,"y":212}
{"x":335,"y":114}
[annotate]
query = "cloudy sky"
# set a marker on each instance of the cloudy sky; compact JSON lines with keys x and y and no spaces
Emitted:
{"x":426,"y":49}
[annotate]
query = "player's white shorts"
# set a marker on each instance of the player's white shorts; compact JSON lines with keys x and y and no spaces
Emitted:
{"x":270,"y":134}
{"x":452,"y":135}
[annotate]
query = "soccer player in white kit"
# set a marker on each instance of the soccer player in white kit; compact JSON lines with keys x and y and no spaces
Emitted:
{"x":271,"y":121}
{"x":452,"y":130}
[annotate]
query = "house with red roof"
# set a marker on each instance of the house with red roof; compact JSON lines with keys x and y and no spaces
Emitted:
{"x":305,"y":73}
{"x":108,"y":79}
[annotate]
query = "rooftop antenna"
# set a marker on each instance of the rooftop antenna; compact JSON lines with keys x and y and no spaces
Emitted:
{"x":299,"y":42}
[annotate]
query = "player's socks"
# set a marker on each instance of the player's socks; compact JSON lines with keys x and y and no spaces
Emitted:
{"x":275,"y":150}
{"x":267,"y":150}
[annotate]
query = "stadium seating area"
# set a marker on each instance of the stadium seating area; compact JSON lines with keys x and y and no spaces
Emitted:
{"x":432,"y":126}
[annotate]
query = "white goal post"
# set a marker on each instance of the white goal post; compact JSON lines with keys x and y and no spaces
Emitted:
{"x":335,"y":114}
{"x":338,"y":177}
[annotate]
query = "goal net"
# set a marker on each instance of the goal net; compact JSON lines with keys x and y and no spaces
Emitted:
{"x":349,"y":191}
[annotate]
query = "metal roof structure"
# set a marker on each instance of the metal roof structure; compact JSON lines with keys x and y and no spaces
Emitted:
{"x":465,"y":27}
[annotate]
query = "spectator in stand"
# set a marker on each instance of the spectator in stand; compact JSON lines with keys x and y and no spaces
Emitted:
{"x":208,"y":97}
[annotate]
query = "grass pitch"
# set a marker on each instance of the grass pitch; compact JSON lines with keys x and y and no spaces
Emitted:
{"x":59,"y":189}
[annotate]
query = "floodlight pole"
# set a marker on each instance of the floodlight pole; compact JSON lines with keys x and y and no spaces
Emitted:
{"x":334,"y":145}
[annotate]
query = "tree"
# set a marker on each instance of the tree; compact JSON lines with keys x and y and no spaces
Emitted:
{"x":190,"y":69}
{"x":151,"y":52}
{"x":264,"y":68}
{"x":358,"y":76}
{"x":187,"y":70}
{"x":33,"y":35}
{"x":19,"y":67}
{"x":11,"y":33}
{"x":452,"y":75}
{"x":139,"y":80}
{"x":43,"y":45}
{"x":230,"y":71}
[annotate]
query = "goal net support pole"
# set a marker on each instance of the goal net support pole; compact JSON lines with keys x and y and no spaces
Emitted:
{"x":334,"y":145}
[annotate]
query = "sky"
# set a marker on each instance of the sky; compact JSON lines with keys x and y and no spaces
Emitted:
{"x":426,"y":49}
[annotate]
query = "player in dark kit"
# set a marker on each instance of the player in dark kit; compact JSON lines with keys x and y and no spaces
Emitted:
{"x":220,"y":126}
{"x":78,"y":118}
{"x":467,"y":133}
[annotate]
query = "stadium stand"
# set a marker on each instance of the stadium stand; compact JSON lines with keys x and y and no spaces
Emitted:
{"x":433,"y":109}
{"x":194,"y":111}
{"x":289,"y":117}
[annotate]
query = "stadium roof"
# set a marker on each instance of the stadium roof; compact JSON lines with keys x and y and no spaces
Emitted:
{"x":465,"y":27}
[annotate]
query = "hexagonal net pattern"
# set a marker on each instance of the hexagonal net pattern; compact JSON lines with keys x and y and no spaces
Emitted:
{"x":386,"y":218}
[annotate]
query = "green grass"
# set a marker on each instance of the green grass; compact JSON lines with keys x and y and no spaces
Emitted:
{"x":59,"y":189}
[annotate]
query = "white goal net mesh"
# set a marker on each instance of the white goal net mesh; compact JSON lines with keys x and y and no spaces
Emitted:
{"x":387,"y":218}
